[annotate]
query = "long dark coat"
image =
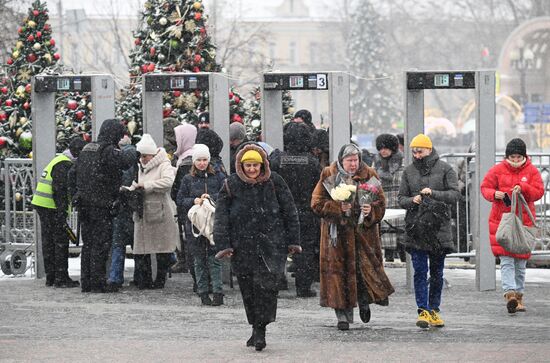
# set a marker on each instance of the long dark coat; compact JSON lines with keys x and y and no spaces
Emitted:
{"x":338,"y":267}
{"x":257,"y":218}
{"x":441,"y":178}
{"x":191,"y":187}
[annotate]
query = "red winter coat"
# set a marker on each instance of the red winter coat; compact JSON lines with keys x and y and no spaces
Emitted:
{"x":503,"y":177}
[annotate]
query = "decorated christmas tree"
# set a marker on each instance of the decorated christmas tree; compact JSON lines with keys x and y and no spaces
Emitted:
{"x":172,"y":37}
{"x":374,"y":102}
{"x":254,"y":115}
{"x":34,"y":53}
{"x":73,"y":117}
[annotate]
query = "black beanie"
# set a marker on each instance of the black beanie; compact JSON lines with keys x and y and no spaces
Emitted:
{"x":516,"y":146}
{"x":76,"y":146}
{"x":204,"y":117}
{"x":211,"y":139}
{"x":387,"y":141}
{"x":304,"y":115}
{"x":297,"y":137}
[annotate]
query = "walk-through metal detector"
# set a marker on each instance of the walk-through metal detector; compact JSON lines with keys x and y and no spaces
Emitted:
{"x":336,"y":83}
{"x":484,"y":84}
{"x":216,"y":84}
{"x":44,"y":88}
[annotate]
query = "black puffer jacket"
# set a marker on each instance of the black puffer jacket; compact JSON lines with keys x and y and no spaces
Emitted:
{"x":433,"y":173}
{"x":301,"y":171}
{"x":193,"y":186}
{"x":99,"y":167}
{"x":257,"y":218}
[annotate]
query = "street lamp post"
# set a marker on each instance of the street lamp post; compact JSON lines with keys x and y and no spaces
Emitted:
{"x":522,"y":59}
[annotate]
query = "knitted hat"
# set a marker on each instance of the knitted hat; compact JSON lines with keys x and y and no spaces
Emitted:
{"x":387,"y":141}
{"x":76,"y":146}
{"x":252,"y":156}
{"x":200,"y":151}
{"x":516,"y":146}
{"x":237,"y":131}
{"x":421,"y":140}
{"x":147,"y":146}
{"x":204,"y":117}
{"x":211,"y":139}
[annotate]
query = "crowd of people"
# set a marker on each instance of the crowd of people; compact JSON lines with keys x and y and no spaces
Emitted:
{"x":272,"y":204}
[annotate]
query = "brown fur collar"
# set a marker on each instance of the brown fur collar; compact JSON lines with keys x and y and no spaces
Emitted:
{"x":265,"y":173}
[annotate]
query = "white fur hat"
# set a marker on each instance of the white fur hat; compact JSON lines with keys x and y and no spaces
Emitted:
{"x":200,"y":151}
{"x":147,"y":146}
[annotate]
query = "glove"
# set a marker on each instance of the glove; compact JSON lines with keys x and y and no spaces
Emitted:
{"x":228,"y":252}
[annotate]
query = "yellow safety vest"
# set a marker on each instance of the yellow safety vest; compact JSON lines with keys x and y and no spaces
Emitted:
{"x":43,"y":195}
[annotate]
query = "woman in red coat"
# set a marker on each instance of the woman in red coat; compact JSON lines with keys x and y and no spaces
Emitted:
{"x":515,"y":172}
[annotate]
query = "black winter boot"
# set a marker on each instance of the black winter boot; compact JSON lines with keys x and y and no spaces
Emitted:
{"x":218,"y":299}
{"x":259,"y":335}
{"x":205,"y":299}
{"x":250,"y":342}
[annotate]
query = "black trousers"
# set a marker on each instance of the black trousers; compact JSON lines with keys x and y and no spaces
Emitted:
{"x":259,"y":296}
{"x":144,"y":274}
{"x":55,"y":244}
{"x":307,"y":266}
{"x":97,"y":235}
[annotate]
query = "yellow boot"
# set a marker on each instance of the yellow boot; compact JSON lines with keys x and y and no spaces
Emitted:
{"x":519,"y":297}
{"x":511,"y":301}
{"x":423,"y":320}
{"x":436,"y":320}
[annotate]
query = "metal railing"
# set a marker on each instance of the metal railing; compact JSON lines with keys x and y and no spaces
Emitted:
{"x":464,"y":216}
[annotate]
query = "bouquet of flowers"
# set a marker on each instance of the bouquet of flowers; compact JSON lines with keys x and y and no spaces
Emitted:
{"x":343,"y":192}
{"x":367,"y":193}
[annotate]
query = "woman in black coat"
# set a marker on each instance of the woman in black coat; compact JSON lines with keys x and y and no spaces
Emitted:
{"x":428,"y":180}
{"x":202,"y":182}
{"x":257,"y":224}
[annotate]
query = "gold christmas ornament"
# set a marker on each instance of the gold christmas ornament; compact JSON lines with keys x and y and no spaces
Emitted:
{"x":30,"y":155}
{"x":12,"y":119}
{"x":178,"y":101}
{"x":89,"y":106}
{"x":190,"y":26}
{"x":48,"y":57}
{"x":197,"y":5}
{"x":23,"y":121}
{"x":20,"y":92}
{"x":19,"y":44}
{"x":15,"y":54}
{"x":24,"y":75}
{"x":163,"y":21}
{"x":18,"y":197}
{"x":68,"y":122}
{"x":31,"y":24}
{"x":18,"y":132}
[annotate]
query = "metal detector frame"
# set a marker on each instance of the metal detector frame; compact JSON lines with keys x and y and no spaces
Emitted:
{"x":44,"y":88}
{"x":217,"y":85}
{"x":335,"y":83}
{"x":484,"y":84}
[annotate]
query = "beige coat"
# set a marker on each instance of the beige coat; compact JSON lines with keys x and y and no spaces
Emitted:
{"x":157,"y":232}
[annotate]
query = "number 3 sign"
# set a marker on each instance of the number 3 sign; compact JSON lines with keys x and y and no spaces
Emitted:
{"x":322,"y":81}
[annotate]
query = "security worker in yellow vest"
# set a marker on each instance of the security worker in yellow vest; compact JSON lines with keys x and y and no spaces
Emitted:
{"x":51,"y":201}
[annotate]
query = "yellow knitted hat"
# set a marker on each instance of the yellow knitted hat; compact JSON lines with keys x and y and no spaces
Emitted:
{"x":252,"y":156}
{"x":421,"y":140}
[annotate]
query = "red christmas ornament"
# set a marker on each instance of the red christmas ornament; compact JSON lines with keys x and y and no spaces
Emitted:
{"x":72,"y":104}
{"x":167,"y":111}
{"x":31,"y":58}
{"x":137,"y":41}
{"x":197,"y":58}
{"x":203,"y":30}
{"x":35,"y":12}
{"x":52,"y":42}
{"x":196,"y":69}
{"x":144,"y":68}
{"x":79,"y":115}
{"x":152,"y":51}
{"x":8,"y":103}
{"x":87,"y":137}
{"x":26,"y":105}
{"x":151,"y":67}
{"x":236,"y":118}
{"x":38,"y":34}
{"x":198,"y":16}
{"x":4,"y":90}
{"x":197,"y":93}
{"x":28,"y":88}
{"x":236,"y":99}
{"x":3,"y":142}
{"x":3,"y":116}
{"x":30,"y":38}
{"x":176,"y":93}
{"x":9,"y":61}
{"x":47,"y":27}
{"x":57,"y":56}
{"x":20,"y":30}
{"x":231,"y":95}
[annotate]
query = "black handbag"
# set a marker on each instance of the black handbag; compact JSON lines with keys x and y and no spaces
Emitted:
{"x":426,"y":222}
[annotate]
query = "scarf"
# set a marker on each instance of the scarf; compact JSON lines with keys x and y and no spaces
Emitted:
{"x":341,"y":177}
{"x":386,"y":167}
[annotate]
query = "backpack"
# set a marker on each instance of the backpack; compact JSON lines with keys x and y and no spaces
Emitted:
{"x":202,"y":219}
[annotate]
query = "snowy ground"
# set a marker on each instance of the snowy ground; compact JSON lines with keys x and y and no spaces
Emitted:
{"x":63,"y":325}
